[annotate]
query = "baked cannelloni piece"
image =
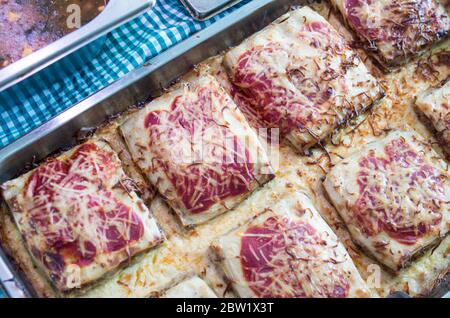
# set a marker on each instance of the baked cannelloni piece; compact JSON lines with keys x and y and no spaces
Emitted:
{"x":434,"y":106}
{"x":395,"y":29}
{"x":394,"y":197}
{"x":301,"y":76}
{"x":288,"y":251}
{"x":194,"y":287}
{"x":446,"y":4}
{"x":197,"y":149}
{"x":79,"y":216}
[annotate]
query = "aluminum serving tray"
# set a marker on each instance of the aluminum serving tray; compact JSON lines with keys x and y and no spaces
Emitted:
{"x":65,"y":54}
{"x":204,"y":9}
{"x":137,"y":86}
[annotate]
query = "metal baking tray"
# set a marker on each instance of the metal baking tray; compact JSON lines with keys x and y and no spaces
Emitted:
{"x":74,"y":49}
{"x":137,"y":86}
{"x":205,"y":9}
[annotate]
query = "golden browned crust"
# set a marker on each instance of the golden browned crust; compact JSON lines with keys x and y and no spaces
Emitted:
{"x":12,"y":242}
{"x":11,"y":239}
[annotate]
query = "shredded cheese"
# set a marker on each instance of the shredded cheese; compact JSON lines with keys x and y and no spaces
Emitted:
{"x":397,"y":28}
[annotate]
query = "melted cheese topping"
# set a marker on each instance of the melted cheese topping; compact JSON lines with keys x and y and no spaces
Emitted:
{"x":435,"y":106}
{"x":77,"y":216}
{"x":288,"y":251}
{"x":446,"y":4}
{"x":396,"y":28}
{"x":300,"y":76}
{"x":393,"y":197}
{"x":272,"y":254}
{"x":198,"y":150}
{"x":184,"y":253}
{"x":194,"y":287}
{"x":194,"y":125}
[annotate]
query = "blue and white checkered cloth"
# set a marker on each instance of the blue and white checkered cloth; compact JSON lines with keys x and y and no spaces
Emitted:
{"x":125,"y":49}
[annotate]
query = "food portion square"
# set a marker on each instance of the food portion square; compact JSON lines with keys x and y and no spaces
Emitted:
{"x":434,"y":106}
{"x":300,"y":75}
{"x":393,"y":196}
{"x":197,"y":149}
{"x":394,"y":30}
{"x":194,"y":287}
{"x":79,"y":216}
{"x":288,"y":251}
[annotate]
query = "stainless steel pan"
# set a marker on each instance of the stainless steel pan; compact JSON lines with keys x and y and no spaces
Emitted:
{"x":72,"y":50}
{"x":137,"y":86}
{"x":205,"y":9}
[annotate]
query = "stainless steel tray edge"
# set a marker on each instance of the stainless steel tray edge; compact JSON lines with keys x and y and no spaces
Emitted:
{"x":95,"y":109}
{"x":202,"y":15}
{"x":116,"y":13}
{"x":61,"y":131}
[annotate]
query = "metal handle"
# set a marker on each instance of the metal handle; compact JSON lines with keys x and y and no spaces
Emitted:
{"x":202,"y":10}
{"x":115,"y":13}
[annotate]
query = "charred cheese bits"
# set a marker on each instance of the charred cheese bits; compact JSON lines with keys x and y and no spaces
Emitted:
{"x":288,"y":251}
{"x":79,"y":216}
{"x":434,"y":105}
{"x":191,"y":288}
{"x":395,"y":29}
{"x":197,"y":149}
{"x":300,"y":75}
{"x":393,"y":196}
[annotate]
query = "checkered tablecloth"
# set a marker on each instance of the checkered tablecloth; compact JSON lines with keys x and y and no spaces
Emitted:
{"x":126,"y":48}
